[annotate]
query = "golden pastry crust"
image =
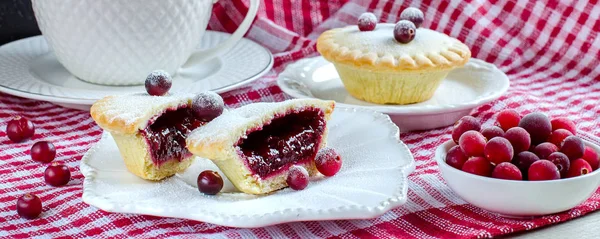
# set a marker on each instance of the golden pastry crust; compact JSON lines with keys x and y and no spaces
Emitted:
{"x":127,"y":114}
{"x":135,"y":153}
{"x":217,"y":140}
{"x":378,"y":50}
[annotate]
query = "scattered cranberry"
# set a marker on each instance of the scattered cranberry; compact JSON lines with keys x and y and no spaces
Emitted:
{"x":543,"y":170}
{"x":455,"y":157}
{"x":564,"y":123}
{"x":414,"y":15}
{"x":519,"y":138}
{"x":537,"y":125}
{"x":57,"y":174}
{"x":479,"y":166}
{"x":463,"y":125}
{"x":29,"y":206}
{"x":367,"y":22}
{"x":507,"y":171}
{"x":557,"y":136}
{"x":405,"y":31}
{"x":19,"y":129}
{"x":561,"y":161}
{"x":573,"y":147}
{"x":579,"y":167}
{"x":472,"y":143}
{"x":297,"y":177}
{"x":498,"y":150}
{"x":544,"y":150}
{"x":328,"y":161}
{"x":209,"y":182}
{"x":207,"y":105}
{"x":523,"y":161}
{"x":43,"y":151}
{"x":508,"y":119}
{"x":492,"y":132}
{"x":158,"y":83}
{"x":591,"y":156}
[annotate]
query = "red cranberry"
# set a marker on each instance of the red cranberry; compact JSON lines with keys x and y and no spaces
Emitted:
{"x":328,"y":161}
{"x":544,"y":150}
{"x":367,"y":22}
{"x":507,"y":171}
{"x":537,"y":125}
{"x":43,"y":151}
{"x":472,"y":143}
{"x":414,"y":15}
{"x":405,"y":31}
{"x":561,"y":161}
{"x":158,"y":83}
{"x":455,"y":157}
{"x":564,"y":123}
{"x":519,"y":139}
{"x":498,"y":150}
{"x":508,"y":119}
{"x":523,"y":160}
{"x":207,"y":105}
{"x":297,"y":177}
{"x":209,"y":182}
{"x":492,"y":132}
{"x":591,"y":156}
{"x":573,"y":147}
{"x":19,"y":129}
{"x":463,"y":125}
{"x":543,"y":170}
{"x":479,"y":166}
{"x":29,"y":206}
{"x":57,"y":174}
{"x":579,"y":167}
{"x":558,"y":136}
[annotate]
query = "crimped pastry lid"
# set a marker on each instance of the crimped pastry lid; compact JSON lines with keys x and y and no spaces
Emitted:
{"x":378,"y":50}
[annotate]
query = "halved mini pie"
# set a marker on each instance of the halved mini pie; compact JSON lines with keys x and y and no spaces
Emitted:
{"x":256,"y":144}
{"x":150,"y":131}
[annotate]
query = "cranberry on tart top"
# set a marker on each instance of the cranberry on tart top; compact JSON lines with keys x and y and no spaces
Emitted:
{"x":255,"y":145}
{"x":150,"y":131}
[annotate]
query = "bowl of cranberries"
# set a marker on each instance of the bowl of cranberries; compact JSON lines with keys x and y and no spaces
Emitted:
{"x":525,"y":165}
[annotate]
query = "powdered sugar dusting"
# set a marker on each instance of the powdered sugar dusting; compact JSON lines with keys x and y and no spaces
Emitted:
{"x":209,"y":100}
{"x":325,"y":153}
{"x":381,"y":41}
{"x":410,"y":13}
{"x":133,"y":108}
{"x":367,"y":18}
{"x":156,"y":76}
{"x":414,"y":15}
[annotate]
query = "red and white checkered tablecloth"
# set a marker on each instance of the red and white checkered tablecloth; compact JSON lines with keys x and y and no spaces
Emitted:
{"x":549,"y":49}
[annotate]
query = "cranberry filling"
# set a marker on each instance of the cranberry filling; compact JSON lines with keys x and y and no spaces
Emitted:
{"x":290,"y":138}
{"x":166,"y":136}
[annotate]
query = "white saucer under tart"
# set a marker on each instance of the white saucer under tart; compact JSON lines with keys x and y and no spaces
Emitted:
{"x":29,"y":69}
{"x":372,"y":180}
{"x":464,"y":88}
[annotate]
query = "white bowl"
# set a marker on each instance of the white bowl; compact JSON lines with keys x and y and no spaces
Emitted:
{"x":518,"y":198}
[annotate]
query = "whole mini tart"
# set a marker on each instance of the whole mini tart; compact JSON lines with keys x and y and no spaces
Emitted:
{"x":150,"y":131}
{"x":375,"y":67}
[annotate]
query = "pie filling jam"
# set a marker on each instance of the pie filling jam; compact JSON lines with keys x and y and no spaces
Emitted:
{"x":166,"y":136}
{"x":287,"y":139}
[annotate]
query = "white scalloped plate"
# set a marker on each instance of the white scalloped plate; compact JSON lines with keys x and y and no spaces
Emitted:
{"x":29,"y":69}
{"x":372,"y":180}
{"x":475,"y":84}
